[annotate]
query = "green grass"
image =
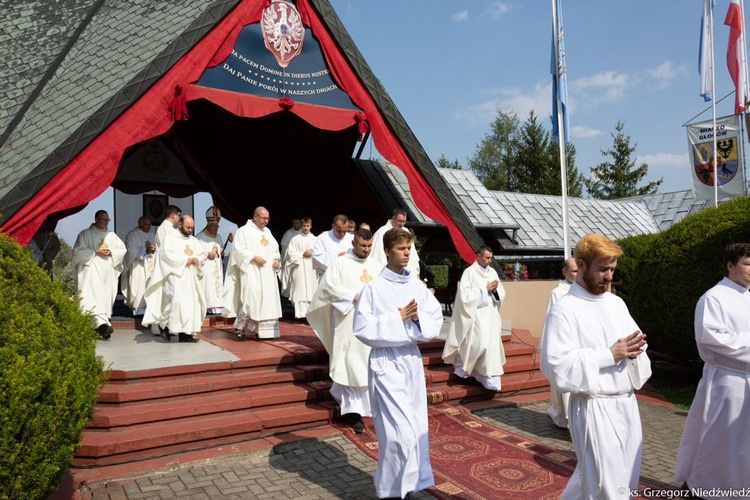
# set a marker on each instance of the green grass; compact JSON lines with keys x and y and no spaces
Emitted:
{"x":676,"y":383}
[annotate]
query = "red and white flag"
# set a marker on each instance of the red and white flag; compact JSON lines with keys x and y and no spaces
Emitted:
{"x":736,"y":60}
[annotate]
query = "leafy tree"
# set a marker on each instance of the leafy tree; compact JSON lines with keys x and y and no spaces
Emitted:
{"x":444,"y":162}
{"x":619,"y":177}
{"x":62,"y":269}
{"x":493,"y":160}
{"x":523,"y":158}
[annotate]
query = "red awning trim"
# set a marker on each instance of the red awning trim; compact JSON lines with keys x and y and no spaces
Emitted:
{"x":385,"y":141}
{"x":251,"y":106}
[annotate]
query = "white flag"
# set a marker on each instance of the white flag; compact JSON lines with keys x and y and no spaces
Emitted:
{"x":706,"y":50}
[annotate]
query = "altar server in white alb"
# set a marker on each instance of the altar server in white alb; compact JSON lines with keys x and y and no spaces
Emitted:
{"x":393,"y":313}
{"x":298,"y":266}
{"x":97,"y":258}
{"x":559,"y":401}
{"x":331,"y":315}
{"x":397,"y":221}
{"x":251,"y":287}
{"x":139,"y":265}
{"x":473,"y":345}
{"x":213,"y":270}
{"x":283,"y":244}
{"x":593,"y":348}
{"x":178,"y":282}
{"x":713,"y":453}
{"x":331,"y":244}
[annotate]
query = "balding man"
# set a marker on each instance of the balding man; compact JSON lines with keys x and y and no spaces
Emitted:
{"x":397,"y":221}
{"x":331,"y":244}
{"x":139,"y":265}
{"x":558,"y":408}
{"x":251,"y":288}
{"x":97,"y":259}
{"x":177,"y":282}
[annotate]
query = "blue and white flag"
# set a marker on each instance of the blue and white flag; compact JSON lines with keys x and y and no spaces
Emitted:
{"x":706,"y":50}
{"x":559,"y":73}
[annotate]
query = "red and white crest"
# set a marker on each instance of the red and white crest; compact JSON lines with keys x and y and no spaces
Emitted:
{"x":283,"y":32}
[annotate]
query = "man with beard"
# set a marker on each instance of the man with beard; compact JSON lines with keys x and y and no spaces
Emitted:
{"x":251,"y":287}
{"x":178,"y":282}
{"x":713,"y":451}
{"x":558,"y":409}
{"x":592,"y":348}
{"x":473,"y":345}
{"x":139,"y":265}
{"x":331,"y":315}
{"x":172,"y":215}
{"x":97,"y":259}
{"x":213,"y":270}
{"x":331,"y":244}
{"x":393,"y":313}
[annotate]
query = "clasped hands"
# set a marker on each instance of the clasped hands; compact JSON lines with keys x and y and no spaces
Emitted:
{"x":492,"y":286}
{"x":629,"y":347}
{"x":409,"y":311}
{"x":262,"y":262}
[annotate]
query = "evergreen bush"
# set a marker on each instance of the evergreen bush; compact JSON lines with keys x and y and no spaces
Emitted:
{"x":663,"y":283}
{"x":440,"y":275}
{"x":49,"y":376}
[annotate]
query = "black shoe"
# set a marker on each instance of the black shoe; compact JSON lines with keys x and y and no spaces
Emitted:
{"x":184,"y":337}
{"x":358,"y":426}
{"x":240,"y":335}
{"x":164,"y":332}
{"x":105,"y":331}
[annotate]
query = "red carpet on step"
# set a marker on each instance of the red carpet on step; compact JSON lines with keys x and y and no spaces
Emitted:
{"x":474,"y":460}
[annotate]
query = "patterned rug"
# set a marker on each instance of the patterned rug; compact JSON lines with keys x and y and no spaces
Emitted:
{"x":473,"y":460}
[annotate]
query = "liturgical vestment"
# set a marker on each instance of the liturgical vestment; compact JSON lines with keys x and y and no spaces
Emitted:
{"x":303,"y":280}
{"x":396,"y":378}
{"x":213,"y":272}
{"x":137,"y":269}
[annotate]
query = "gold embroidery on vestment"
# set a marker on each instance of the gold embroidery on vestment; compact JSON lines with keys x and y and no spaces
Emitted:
{"x":188,"y":251}
{"x":263,"y":240}
{"x":365,"y":278}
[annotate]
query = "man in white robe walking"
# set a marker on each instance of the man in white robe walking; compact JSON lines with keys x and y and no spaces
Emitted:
{"x":172,"y":214}
{"x":283,"y":245}
{"x":713,"y":453}
{"x":303,"y":280}
{"x":213,"y":270}
{"x":397,"y":221}
{"x":331,"y":315}
{"x":331,"y":244}
{"x":97,"y":258}
{"x":473,"y":345}
{"x":393,"y":313}
{"x":559,"y":401}
{"x":592,"y":348}
{"x":251,"y":288}
{"x":139,"y":265}
{"x":178,"y":282}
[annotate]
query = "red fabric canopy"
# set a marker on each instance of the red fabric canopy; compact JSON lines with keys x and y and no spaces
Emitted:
{"x":93,"y":170}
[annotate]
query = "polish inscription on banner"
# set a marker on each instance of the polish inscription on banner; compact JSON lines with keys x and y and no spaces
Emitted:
{"x":729,"y":166}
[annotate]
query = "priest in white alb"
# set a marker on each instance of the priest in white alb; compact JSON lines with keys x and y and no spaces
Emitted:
{"x":713,"y":453}
{"x":283,"y":244}
{"x":559,"y":401}
{"x":473,"y":345}
{"x":298,"y":266}
{"x":97,"y":258}
{"x":138,"y":266}
{"x":168,"y":226}
{"x":178,"y":282}
{"x":393,"y":313}
{"x":397,"y":221}
{"x":251,"y":287}
{"x":331,"y":244}
{"x":592,"y":348}
{"x":213,"y":270}
{"x":331,"y":316}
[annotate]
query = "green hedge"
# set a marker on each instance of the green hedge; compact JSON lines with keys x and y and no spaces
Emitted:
{"x":665,"y":275}
{"x":440,"y":275}
{"x":49,"y":376}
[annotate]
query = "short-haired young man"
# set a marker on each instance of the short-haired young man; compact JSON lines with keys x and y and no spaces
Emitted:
{"x":393,"y":313}
{"x":713,"y":453}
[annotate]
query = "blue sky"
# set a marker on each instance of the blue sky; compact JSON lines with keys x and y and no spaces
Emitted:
{"x":449,"y":65}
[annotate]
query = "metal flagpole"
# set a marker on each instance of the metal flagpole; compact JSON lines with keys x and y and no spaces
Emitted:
{"x":743,"y":68}
{"x":561,"y":137}
{"x":713,"y":103}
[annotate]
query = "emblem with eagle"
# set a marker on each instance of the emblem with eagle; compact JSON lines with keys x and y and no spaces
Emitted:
{"x":283,"y":32}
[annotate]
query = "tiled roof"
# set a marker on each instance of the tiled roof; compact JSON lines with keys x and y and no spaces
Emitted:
{"x":96,"y":57}
{"x":670,"y":208}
